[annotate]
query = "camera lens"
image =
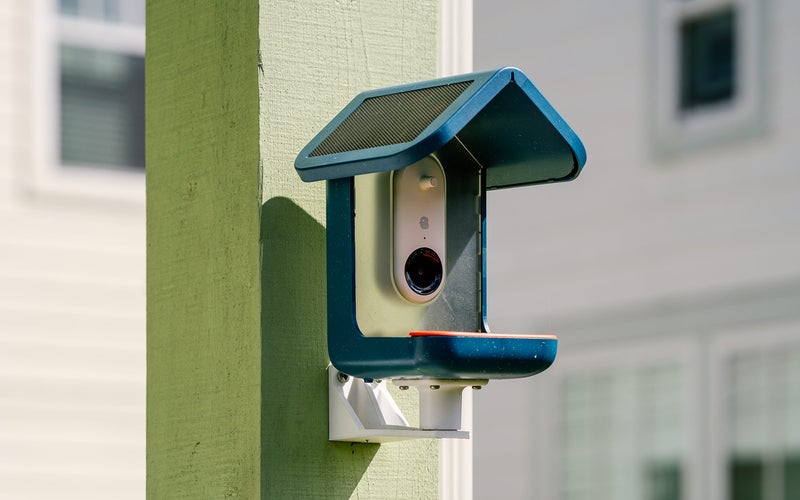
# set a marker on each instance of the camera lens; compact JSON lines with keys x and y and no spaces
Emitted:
{"x":424,"y":271}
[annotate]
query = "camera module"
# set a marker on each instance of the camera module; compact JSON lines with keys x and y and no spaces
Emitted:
{"x":423,"y":271}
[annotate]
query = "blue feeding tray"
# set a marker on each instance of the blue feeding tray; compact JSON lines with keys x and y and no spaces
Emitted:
{"x":516,"y":137}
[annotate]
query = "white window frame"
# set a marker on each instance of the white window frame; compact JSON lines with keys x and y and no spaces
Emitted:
{"x":724,"y":347}
{"x":48,"y":177}
{"x":675,"y":130}
{"x":455,"y":57}
{"x":629,"y":354}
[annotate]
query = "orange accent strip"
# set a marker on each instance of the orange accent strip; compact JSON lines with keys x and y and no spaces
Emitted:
{"x":476,"y":334}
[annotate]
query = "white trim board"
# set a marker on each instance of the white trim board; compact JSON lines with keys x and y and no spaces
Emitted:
{"x":455,"y":57}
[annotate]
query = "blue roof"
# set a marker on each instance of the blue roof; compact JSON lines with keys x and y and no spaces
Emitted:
{"x":499,"y":116}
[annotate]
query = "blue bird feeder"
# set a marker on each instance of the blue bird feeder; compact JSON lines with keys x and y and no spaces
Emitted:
{"x":513,"y":135}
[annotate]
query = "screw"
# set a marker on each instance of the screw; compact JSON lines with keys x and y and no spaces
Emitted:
{"x":434,"y":387}
{"x":427,"y":182}
{"x":342,"y":377}
{"x":403,"y":387}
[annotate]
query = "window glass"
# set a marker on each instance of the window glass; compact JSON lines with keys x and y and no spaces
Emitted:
{"x":662,"y":481}
{"x":69,"y":7}
{"x":746,"y":478}
{"x":765,"y":409}
{"x":623,"y":432}
{"x":791,"y":475}
{"x":708,"y":55}
{"x":112,"y":11}
{"x":102,"y":108}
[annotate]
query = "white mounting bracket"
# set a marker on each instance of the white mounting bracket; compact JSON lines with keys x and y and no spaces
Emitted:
{"x":365,"y":412}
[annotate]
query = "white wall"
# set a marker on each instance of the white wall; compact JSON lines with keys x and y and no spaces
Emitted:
{"x":642,"y":245}
{"x":72,"y":303}
{"x":633,"y":227}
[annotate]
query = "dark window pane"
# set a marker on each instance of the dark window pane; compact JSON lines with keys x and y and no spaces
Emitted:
{"x":708,"y":59}
{"x":791,"y":477}
{"x":663,"y":481}
{"x":69,"y":7}
{"x":102,"y":108}
{"x":105,"y":11}
{"x":746,"y":479}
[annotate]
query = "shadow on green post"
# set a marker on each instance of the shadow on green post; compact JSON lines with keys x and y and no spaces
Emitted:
{"x":296,"y":454}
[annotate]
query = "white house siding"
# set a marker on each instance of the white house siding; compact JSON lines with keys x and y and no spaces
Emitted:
{"x":72,"y":323}
{"x":646,"y":256}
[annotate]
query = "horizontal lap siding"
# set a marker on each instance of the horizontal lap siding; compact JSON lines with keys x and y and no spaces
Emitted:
{"x":637,"y":227}
{"x":72,"y":343}
{"x":642,"y":249}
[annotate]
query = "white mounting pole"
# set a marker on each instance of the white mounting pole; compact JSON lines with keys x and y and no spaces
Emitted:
{"x":440,"y":401}
{"x":455,"y":57}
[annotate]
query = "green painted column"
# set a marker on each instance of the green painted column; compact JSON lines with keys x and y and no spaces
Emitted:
{"x":236,"y":345}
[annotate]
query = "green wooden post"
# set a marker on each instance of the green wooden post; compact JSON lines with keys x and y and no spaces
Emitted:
{"x":236,"y":384}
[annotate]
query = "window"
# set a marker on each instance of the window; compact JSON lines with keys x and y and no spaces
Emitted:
{"x":88,"y":105}
{"x":101,"y":83}
{"x":707,"y":69}
{"x":623,"y":433}
{"x":764,"y":404}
